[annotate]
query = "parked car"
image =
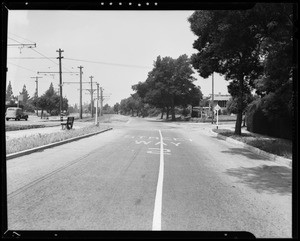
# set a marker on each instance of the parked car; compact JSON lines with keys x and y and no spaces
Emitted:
{"x":15,"y":113}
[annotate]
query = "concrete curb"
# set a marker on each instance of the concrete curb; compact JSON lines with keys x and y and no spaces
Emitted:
{"x":272,"y":157}
{"x":29,"y":151}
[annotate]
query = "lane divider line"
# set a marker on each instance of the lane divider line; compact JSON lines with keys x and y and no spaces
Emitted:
{"x":156,"y":223}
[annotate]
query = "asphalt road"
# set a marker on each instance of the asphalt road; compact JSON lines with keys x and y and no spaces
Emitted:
{"x":150,"y":175}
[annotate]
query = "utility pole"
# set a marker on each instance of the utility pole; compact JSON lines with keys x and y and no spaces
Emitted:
{"x":97,"y":105}
{"x":80,"y":101}
{"x":91,"y":77}
{"x":101,"y":101}
{"x":36,"y":84}
{"x":36,"y":90}
{"x":60,"y":84}
{"x":212,"y":97}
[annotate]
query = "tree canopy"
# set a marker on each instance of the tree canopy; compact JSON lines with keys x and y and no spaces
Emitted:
{"x":169,"y":84}
{"x":50,"y":101}
{"x":241,"y":45}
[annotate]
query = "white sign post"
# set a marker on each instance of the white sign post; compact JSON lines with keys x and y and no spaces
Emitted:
{"x":217,"y":108}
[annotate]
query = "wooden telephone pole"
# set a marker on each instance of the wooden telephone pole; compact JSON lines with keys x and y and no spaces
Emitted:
{"x":60,"y":84}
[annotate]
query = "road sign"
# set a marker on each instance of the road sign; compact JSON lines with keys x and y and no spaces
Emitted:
{"x":217,"y":107}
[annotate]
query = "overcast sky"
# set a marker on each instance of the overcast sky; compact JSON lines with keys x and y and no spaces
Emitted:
{"x":118,"y":48}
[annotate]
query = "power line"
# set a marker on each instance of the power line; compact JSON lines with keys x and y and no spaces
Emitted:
{"x":31,"y":58}
{"x":15,"y":40}
{"x":113,"y":64}
{"x":21,"y":67}
{"x":44,"y":56}
{"x":21,"y":37}
{"x":49,"y":59}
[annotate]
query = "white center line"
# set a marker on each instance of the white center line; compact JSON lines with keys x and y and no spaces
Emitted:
{"x":156,"y":224}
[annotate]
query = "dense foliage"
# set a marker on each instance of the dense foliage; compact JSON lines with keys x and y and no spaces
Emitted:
{"x":252,"y":49}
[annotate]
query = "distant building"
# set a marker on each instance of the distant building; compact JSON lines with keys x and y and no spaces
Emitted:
{"x":219,"y":99}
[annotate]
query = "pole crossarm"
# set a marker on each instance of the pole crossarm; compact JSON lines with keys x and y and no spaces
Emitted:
{"x":57,"y":72}
{"x":21,"y":45}
{"x":74,"y":82}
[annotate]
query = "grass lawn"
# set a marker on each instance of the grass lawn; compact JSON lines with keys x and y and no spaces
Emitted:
{"x":277,"y":146}
{"x":36,"y":140}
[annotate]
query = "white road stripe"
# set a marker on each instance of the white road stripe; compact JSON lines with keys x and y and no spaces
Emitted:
{"x":156,"y":224}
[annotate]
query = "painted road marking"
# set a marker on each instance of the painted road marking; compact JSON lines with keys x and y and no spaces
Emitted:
{"x":156,"y":224}
{"x":157,"y":138}
{"x":176,"y":144}
{"x":160,"y":143}
{"x":139,"y":142}
{"x":157,"y":151}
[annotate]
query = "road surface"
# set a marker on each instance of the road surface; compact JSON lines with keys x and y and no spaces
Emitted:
{"x":150,"y":175}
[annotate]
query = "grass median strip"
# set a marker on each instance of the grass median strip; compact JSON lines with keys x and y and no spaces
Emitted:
{"x":276,"y":146}
{"x":32,"y":141}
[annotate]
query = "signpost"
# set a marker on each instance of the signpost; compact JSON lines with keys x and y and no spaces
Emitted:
{"x":217,"y":108}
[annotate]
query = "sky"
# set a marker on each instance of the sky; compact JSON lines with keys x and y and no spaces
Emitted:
{"x":117,"y":48}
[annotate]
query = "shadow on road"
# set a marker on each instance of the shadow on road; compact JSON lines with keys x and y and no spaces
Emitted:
{"x":245,"y":152}
{"x":271,"y":179}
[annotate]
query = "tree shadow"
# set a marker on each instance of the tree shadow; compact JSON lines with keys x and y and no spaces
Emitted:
{"x":270,"y":179}
{"x":244,"y":152}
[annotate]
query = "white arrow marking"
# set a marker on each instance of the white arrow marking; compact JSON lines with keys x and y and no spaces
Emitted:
{"x":176,"y":144}
{"x":178,"y":139}
{"x":160,"y":143}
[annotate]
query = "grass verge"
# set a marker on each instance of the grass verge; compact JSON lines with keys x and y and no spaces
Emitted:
{"x":36,"y":140}
{"x":276,"y":146}
{"x":22,"y":127}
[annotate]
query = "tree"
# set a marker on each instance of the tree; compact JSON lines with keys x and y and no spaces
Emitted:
{"x":9,"y":92}
{"x":169,"y":84}
{"x":227,"y":45}
{"x":50,"y":101}
{"x":253,"y":49}
{"x":25,"y":94}
{"x":116,"y":108}
{"x":276,"y":43}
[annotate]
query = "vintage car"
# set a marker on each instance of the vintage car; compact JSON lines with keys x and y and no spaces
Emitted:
{"x":15,"y":113}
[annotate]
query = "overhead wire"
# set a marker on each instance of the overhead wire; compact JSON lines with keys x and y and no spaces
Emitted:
{"x":113,"y":64}
{"x":20,"y":37}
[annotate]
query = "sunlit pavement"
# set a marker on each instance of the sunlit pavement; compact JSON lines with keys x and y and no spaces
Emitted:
{"x":149,"y":174}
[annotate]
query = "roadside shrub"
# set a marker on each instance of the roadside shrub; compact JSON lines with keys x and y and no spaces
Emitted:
{"x":258,"y":122}
{"x":185,"y":112}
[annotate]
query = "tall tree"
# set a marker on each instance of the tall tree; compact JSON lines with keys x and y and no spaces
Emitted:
{"x":9,"y":92}
{"x":169,"y":84}
{"x":116,"y":108}
{"x":25,"y":94}
{"x":252,"y":48}
{"x":276,"y":43}
{"x":227,"y":45}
